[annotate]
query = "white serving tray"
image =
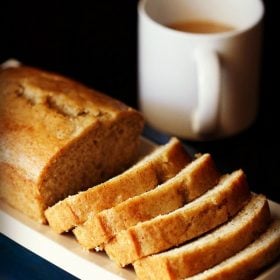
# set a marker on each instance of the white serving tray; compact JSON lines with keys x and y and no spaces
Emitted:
{"x":66,"y":253}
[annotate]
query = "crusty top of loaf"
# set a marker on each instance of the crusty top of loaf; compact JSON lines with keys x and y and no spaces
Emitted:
{"x":50,"y":108}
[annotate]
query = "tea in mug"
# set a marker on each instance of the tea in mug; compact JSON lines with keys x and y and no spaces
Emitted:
{"x":201,"y":26}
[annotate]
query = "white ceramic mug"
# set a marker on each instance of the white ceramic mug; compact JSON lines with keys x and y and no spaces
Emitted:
{"x":199,"y":86}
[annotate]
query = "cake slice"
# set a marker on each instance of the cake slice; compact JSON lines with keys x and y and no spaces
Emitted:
{"x":162,"y":164}
{"x":248,"y":262}
{"x":210,"y":249}
{"x":195,"y":179}
{"x":169,"y":230}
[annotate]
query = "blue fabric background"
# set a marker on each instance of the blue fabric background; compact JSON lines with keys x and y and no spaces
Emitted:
{"x":18,"y":263}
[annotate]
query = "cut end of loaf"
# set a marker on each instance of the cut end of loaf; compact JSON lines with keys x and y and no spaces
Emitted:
{"x":141,"y":177}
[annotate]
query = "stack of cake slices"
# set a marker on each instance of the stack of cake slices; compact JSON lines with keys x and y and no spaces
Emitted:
{"x":174,"y":217}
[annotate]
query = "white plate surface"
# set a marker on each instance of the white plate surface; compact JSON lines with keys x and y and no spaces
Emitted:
{"x":65,"y":252}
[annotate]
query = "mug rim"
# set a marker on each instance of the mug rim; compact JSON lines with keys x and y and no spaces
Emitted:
{"x":227,"y":34}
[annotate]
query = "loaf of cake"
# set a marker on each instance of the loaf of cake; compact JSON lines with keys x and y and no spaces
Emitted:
{"x":70,"y":156}
{"x":58,"y":137}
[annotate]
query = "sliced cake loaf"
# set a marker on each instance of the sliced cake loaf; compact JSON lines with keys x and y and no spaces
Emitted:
{"x":210,"y":249}
{"x":169,"y":230}
{"x":162,"y":164}
{"x":248,"y":262}
{"x":195,"y":179}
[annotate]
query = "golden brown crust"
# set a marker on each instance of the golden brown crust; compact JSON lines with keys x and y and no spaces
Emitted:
{"x":28,"y":111}
{"x":195,"y":179}
{"x":190,"y":221}
{"x":144,"y":176}
{"x":209,"y":250}
{"x":51,"y":128}
{"x":247,"y":263}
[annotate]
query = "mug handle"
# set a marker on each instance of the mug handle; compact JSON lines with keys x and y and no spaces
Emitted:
{"x":206,"y":115}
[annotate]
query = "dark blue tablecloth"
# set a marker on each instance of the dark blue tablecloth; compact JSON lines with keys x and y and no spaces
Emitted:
{"x":18,"y":263}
